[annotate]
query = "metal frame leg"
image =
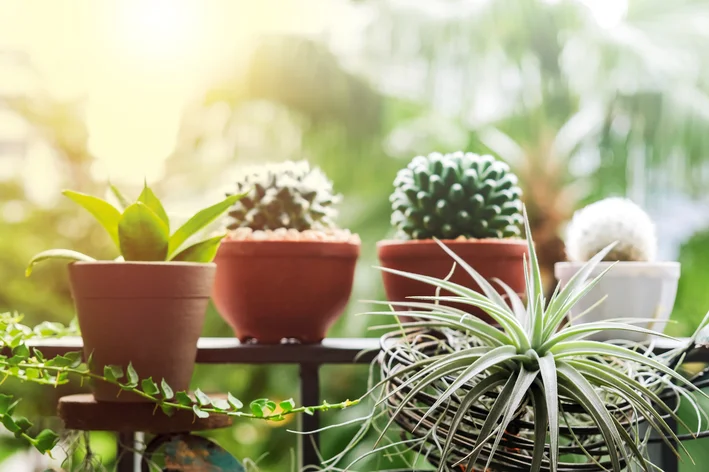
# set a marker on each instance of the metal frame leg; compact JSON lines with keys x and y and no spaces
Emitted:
{"x":669,"y":461}
{"x":309,"y":396}
{"x":125,"y":454}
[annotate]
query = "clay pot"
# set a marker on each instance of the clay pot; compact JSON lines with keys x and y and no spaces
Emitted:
{"x":273,"y":290}
{"x":492,"y":258}
{"x":148,"y":313}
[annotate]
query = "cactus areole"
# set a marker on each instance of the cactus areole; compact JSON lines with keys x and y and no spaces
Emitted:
{"x":448,"y":196}
{"x":471,"y":201}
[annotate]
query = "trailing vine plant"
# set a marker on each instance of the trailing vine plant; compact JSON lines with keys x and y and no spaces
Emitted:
{"x":19,"y":360}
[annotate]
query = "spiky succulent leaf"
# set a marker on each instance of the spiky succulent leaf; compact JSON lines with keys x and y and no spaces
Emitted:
{"x":459,"y":194}
{"x":289,"y":195}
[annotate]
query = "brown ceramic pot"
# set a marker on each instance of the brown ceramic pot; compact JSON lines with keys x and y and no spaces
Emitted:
{"x":492,"y":258}
{"x":148,"y":313}
{"x":271,"y":290}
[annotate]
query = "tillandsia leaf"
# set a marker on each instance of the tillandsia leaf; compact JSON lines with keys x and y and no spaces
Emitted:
{"x":520,"y":391}
{"x":105,"y":213}
{"x":559,"y":304}
{"x":484,"y":386}
{"x":142,"y":234}
{"x":492,"y":358}
{"x":492,"y":420}
{"x":518,"y":307}
{"x":620,"y":382}
{"x":65,"y":254}
{"x":547,"y":371}
{"x":555,"y":318}
{"x":578,"y":388}
{"x":457,"y":317}
{"x":203,"y":251}
{"x":587,"y":329}
{"x":491,"y":335}
{"x":153,"y":202}
{"x":536,"y":302}
{"x":504,"y":317}
{"x":484,"y":285}
{"x":595,"y":348}
{"x":541,"y":423}
{"x":200,"y":220}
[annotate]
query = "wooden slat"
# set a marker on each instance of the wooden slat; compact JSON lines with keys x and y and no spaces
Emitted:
{"x":231,"y":351}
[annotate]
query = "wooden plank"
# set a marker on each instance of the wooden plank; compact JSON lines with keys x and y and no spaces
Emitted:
{"x":231,"y":351}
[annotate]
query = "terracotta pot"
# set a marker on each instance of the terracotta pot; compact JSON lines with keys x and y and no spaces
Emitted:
{"x":492,"y":258}
{"x":273,"y":290}
{"x":148,"y":313}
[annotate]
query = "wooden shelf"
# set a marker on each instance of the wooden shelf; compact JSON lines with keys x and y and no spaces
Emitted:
{"x":231,"y":351}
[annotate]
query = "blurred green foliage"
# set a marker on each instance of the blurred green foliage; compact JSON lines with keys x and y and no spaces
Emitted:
{"x":580,"y":110}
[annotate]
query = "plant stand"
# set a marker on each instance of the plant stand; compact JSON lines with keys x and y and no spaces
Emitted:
{"x":83,"y":413}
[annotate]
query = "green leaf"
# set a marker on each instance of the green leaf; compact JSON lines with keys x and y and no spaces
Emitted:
{"x":132,"y":376}
{"x":220,"y":404}
{"x":7,"y":404}
{"x":183,"y":399}
{"x":66,"y":254}
{"x":308,"y":410}
{"x":167,"y":409}
{"x":257,"y":409}
{"x":199,"y":412}
{"x":21,"y":351}
{"x":9,"y":423}
{"x":122,"y":200}
{"x":234,"y":402}
{"x":142,"y":234}
{"x":149,"y":386}
{"x":547,"y":369}
{"x":287,"y":405}
{"x":45,"y":441}
{"x":153,"y":202}
{"x":199,"y":221}
{"x":113,"y":372}
{"x":104,"y":212}
{"x":166,"y":390}
{"x":202,"y":398}
{"x":74,"y":358}
{"x":23,"y":425}
{"x":203,"y":251}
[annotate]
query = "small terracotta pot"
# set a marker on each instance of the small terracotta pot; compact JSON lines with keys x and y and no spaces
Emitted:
{"x":148,"y":313}
{"x":492,"y":258}
{"x":271,"y":290}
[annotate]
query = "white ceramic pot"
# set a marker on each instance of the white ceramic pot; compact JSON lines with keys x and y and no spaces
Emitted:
{"x":633,"y":290}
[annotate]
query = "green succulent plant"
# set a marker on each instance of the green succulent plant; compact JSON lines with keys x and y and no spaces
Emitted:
{"x":526,"y":393}
{"x":141,"y":229}
{"x":447,"y":196}
{"x":289,"y":195}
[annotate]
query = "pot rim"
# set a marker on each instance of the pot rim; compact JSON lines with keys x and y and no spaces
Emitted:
{"x":624,"y":268}
{"x":182,"y":264}
{"x":286,"y":248}
{"x":452,"y":242}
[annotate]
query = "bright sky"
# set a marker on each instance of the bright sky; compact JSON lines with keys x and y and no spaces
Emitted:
{"x":139,"y":61}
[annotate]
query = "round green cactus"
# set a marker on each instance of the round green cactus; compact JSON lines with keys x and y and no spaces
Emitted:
{"x":289,"y":195}
{"x":456,"y":195}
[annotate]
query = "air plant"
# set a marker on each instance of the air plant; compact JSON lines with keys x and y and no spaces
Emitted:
{"x":527,"y":393}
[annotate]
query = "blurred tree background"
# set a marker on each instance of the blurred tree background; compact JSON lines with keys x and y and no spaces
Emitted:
{"x":584,"y":99}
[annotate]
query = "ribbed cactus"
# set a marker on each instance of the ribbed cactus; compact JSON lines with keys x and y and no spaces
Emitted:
{"x":456,"y":195}
{"x":613,"y":219}
{"x":289,"y":195}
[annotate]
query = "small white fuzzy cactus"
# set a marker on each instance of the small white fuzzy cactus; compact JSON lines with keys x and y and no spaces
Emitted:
{"x":613,"y":219}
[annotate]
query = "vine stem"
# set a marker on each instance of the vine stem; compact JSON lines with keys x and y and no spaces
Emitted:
{"x":178,"y":406}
